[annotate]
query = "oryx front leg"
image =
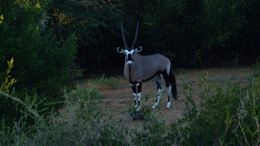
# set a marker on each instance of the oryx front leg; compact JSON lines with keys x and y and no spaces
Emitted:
{"x":134,"y":94}
{"x":137,"y":95}
{"x":135,"y":100}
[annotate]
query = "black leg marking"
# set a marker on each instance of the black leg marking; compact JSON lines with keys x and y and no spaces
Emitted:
{"x":135,"y":101}
{"x":139,"y":102}
{"x":139,"y":87}
{"x":158,"y":85}
{"x":133,"y":86}
{"x":158,"y":82}
{"x":134,"y":92}
{"x":166,"y":78}
{"x":171,"y":80}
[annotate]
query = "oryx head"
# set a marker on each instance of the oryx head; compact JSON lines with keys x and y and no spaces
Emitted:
{"x":129,"y":52}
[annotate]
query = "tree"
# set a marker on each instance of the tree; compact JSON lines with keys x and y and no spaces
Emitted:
{"x":43,"y":64}
{"x":96,"y":24}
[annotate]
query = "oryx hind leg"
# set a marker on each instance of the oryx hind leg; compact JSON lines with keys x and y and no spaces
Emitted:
{"x":166,"y":77}
{"x":159,"y":88}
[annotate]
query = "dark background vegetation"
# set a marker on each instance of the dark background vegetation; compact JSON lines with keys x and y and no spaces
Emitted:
{"x":195,"y":33}
{"x":54,"y":42}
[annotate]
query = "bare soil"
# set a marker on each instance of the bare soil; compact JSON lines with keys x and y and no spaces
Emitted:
{"x":117,"y":101}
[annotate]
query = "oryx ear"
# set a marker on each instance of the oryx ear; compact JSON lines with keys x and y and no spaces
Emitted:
{"x":119,"y":50}
{"x":139,"y":49}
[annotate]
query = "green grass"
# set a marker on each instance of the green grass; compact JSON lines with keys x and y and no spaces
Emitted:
{"x":227,"y":115}
{"x":106,"y":82}
{"x":256,"y":68}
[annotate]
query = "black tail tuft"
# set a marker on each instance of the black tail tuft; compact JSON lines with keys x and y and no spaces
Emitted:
{"x":174,"y":85}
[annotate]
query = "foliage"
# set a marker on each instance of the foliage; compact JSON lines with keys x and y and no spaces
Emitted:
{"x":95,"y":24}
{"x":8,"y":80}
{"x":257,"y":68}
{"x":9,"y":100}
{"x":43,"y":63}
{"x":105,"y":82}
{"x":195,"y":33}
{"x":77,"y":123}
{"x":227,"y":115}
{"x":154,"y":131}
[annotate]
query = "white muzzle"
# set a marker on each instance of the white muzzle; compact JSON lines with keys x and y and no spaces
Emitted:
{"x":129,"y":62}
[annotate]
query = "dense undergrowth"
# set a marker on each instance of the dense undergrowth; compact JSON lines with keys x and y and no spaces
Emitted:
{"x":227,"y":115}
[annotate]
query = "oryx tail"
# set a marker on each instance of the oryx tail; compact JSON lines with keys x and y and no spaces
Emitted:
{"x":173,"y":82}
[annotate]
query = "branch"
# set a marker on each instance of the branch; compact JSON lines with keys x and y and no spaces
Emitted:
{"x":22,"y":103}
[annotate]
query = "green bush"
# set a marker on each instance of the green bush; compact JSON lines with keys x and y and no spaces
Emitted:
{"x":12,"y":106}
{"x":154,"y":131}
{"x":227,"y":115}
{"x":78,"y":123}
{"x":43,"y":63}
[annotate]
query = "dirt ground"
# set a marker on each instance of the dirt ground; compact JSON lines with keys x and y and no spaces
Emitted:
{"x":117,"y":101}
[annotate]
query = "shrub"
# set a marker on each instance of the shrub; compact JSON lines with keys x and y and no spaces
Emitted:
{"x":8,"y":81}
{"x":154,"y":131}
{"x":43,"y":63}
{"x":8,"y":112}
{"x":78,"y":123}
{"x":227,"y":115}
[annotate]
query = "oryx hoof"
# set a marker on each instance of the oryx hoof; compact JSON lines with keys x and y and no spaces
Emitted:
{"x":138,"y":108}
{"x":137,"y":115}
{"x":168,"y":105}
{"x":155,"y":106}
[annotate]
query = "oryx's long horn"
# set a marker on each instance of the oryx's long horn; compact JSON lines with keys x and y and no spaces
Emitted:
{"x":136,"y":34}
{"x":123,"y":35}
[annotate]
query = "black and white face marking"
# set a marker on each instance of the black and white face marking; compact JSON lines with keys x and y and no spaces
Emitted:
{"x":129,"y":54}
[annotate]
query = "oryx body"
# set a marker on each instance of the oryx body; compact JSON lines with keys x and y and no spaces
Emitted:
{"x":140,"y":68}
{"x":146,"y":67}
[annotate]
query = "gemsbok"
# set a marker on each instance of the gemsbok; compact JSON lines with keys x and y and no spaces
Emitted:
{"x":140,"y":68}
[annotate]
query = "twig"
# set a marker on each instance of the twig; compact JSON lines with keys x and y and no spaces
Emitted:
{"x":243,"y":132}
{"x":22,"y":103}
